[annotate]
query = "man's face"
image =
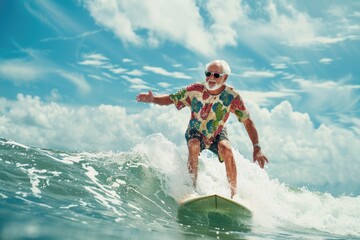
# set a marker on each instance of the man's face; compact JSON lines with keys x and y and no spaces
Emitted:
{"x":212,"y":80}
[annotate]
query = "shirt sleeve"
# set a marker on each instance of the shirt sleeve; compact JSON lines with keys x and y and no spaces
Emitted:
{"x":180,"y":98}
{"x":239,"y":109}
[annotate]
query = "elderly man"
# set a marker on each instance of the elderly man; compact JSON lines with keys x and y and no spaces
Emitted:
{"x":211,"y":103}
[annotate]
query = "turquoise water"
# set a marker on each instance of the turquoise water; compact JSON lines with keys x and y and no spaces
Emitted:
{"x":51,"y":194}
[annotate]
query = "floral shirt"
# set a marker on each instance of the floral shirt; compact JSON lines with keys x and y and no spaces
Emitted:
{"x":209,"y":113}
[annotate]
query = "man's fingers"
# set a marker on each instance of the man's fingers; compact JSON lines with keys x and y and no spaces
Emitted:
{"x":261,"y":160}
{"x":142,"y":97}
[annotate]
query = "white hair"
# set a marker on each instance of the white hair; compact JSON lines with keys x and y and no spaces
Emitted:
{"x":225,"y":66}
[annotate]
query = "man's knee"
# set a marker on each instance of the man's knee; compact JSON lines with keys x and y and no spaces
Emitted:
{"x":194,"y":145}
{"x":224,"y":148}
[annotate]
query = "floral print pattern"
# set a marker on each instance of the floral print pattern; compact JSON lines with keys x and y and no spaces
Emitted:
{"x":209,"y":113}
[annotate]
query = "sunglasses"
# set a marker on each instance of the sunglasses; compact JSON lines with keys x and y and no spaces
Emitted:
{"x":216,"y":75}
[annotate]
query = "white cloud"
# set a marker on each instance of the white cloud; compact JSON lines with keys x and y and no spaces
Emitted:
{"x":205,"y":27}
{"x":135,"y":72}
{"x":127,"y":60}
{"x":299,"y":153}
{"x":137,"y":83}
{"x":164,"y":84}
{"x":54,"y":96}
{"x":96,"y":77}
{"x":327,"y":96}
{"x":279,"y":65}
{"x":92,"y":62}
{"x":265,"y":98}
{"x":96,"y":56}
{"x":326,"y":60}
{"x":118,"y":70}
{"x":20,"y":70}
{"x":165,"y":73}
{"x":71,"y":38}
{"x":300,"y":63}
{"x":177,"y":21}
{"x":284,"y":62}
{"x":94,"y":59}
{"x":226,"y":15}
{"x":37,"y":123}
{"x":108,"y":13}
{"x":258,"y":74}
{"x":134,"y":80}
{"x":38,"y":69}
{"x":287,"y":25}
{"x":177,"y":65}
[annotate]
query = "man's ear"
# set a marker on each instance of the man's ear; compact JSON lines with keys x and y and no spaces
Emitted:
{"x":225,"y":78}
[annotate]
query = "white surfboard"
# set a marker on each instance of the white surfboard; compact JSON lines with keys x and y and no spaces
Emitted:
{"x":216,"y":204}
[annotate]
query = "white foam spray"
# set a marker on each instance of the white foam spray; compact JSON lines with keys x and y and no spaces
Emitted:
{"x":274,"y":204}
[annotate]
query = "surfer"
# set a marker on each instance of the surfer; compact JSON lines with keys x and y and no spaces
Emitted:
{"x":211,"y":103}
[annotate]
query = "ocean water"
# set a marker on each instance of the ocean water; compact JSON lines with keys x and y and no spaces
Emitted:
{"x":51,"y":194}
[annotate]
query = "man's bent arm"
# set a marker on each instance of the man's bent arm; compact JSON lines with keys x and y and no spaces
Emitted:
{"x":252,"y":132}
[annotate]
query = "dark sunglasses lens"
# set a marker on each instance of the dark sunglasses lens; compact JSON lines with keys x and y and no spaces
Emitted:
{"x":216,"y":75}
{"x":208,"y":74}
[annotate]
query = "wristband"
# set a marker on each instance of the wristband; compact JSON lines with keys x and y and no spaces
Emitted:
{"x":257,"y":145}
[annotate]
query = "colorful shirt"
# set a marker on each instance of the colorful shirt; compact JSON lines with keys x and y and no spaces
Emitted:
{"x":209,"y":113}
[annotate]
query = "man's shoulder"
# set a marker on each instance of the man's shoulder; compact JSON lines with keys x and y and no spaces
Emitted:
{"x":231,"y":90}
{"x":198,"y":87}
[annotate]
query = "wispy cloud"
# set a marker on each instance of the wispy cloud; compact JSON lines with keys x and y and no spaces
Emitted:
{"x":75,"y":37}
{"x":258,"y":74}
{"x":164,"y":84}
{"x":137,"y":83}
{"x":78,"y":80}
{"x":37,"y":69}
{"x":96,"y":77}
{"x":20,"y":70}
{"x":135,"y":72}
{"x":118,"y":70}
{"x":328,"y":96}
{"x":92,"y":62}
{"x":96,"y":56}
{"x":326,"y":60}
{"x":279,"y":65}
{"x":127,"y":60}
{"x":163,"y":72}
{"x":284,"y":62}
{"x":54,"y":16}
{"x":94,"y":59}
{"x":266,"y":98}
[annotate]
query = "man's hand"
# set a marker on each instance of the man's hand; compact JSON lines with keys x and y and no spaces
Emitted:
{"x":145,"y":97}
{"x":259,"y":157}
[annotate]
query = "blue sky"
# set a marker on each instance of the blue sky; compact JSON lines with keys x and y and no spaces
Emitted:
{"x":296,"y":63}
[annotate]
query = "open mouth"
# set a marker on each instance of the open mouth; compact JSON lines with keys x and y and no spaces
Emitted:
{"x":212,"y":85}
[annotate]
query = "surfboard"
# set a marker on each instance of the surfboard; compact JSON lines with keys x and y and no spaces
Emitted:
{"x":216,"y":204}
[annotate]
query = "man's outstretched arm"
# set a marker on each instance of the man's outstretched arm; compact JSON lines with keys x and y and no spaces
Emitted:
{"x":150,"y":98}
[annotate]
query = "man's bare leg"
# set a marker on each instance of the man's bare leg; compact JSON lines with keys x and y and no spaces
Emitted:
{"x":194,"y":151}
{"x":227,"y":155}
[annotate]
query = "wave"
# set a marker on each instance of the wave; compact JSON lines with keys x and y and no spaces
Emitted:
{"x":140,"y":188}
